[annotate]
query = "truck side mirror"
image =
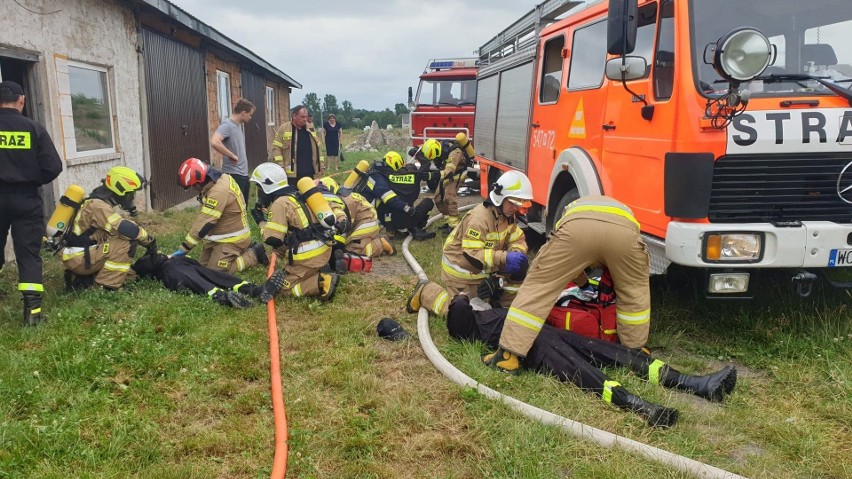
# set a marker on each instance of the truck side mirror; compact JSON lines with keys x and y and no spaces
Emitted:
{"x":622,"y":23}
{"x":410,"y":98}
{"x":633,"y":68}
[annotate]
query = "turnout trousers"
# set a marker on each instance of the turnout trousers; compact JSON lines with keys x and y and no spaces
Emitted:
{"x":21,"y":210}
{"x":230,"y":257}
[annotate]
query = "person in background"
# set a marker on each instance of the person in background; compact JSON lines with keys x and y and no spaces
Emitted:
{"x":296,"y":148}
{"x":333,"y":132}
{"x":230,"y":140}
{"x":222,"y":222}
{"x":487,"y":250}
{"x":28,"y":160}
{"x":593,"y":230}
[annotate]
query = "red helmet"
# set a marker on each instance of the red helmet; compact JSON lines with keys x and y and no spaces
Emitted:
{"x":192,"y":172}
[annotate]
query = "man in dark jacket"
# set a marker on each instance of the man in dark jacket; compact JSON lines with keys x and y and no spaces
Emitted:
{"x":394,"y":188}
{"x":28,"y":160}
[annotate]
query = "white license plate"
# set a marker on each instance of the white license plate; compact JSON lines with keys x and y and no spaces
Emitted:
{"x":840,"y":257}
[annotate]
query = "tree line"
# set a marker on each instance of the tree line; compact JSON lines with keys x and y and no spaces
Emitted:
{"x":349,"y":116}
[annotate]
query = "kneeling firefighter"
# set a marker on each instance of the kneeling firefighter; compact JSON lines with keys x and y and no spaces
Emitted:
{"x":98,"y":246}
{"x":452,"y":157}
{"x":394,"y":188}
{"x":486,"y":251}
{"x":363,"y":236}
{"x":221,"y":223}
{"x":300,"y":226}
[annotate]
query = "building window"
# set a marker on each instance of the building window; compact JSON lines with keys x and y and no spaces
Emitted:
{"x":223,"y":94}
{"x":588,"y":57}
{"x":90,"y":109}
{"x":270,"y":106}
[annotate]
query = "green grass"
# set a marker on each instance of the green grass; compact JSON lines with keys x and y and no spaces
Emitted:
{"x":146,"y":383}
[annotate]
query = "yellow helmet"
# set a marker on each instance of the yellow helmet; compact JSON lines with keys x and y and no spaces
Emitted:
{"x":330,"y":184}
{"x":431,"y":149}
{"x":393,"y":160}
{"x":122,"y":180}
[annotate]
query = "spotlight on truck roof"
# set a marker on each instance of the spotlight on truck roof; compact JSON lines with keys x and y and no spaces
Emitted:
{"x":741,"y":54}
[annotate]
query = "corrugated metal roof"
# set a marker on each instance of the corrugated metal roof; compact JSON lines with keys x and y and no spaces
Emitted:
{"x":174,"y":12}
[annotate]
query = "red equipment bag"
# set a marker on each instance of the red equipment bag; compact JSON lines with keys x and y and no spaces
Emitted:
{"x":357,"y":263}
{"x":594,"y":320}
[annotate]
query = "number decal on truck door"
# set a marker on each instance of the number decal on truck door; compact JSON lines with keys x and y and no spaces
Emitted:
{"x":543,"y":139}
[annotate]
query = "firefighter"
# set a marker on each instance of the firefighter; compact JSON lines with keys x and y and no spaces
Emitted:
{"x":394,"y":189}
{"x":181,"y":273}
{"x":363,"y":236}
{"x":296,"y":147}
{"x":593,"y":230}
{"x":99,"y":246}
{"x":28,"y":159}
{"x":295,"y":233}
{"x":221,"y":223}
{"x":485,"y":249}
{"x":451,"y":159}
{"x":578,"y":359}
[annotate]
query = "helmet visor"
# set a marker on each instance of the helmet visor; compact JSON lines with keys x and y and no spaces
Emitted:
{"x":519,"y":202}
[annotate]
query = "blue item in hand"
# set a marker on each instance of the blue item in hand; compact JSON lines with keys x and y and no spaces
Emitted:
{"x":179,"y":252}
{"x":516,"y":262}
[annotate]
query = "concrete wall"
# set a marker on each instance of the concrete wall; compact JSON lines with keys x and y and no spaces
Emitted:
{"x":97,"y":32}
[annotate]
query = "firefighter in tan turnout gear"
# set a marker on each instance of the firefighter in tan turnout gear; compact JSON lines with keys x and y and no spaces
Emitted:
{"x":98,"y":247}
{"x":451,"y":159}
{"x":296,"y":147}
{"x":593,"y":230}
{"x":487,"y":247}
{"x":301,"y":237}
{"x":221,"y":223}
{"x":363,"y":236}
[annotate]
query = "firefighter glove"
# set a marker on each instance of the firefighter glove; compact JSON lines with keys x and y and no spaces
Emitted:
{"x":151,"y":247}
{"x":258,"y":215}
{"x":179,"y":252}
{"x":516,"y":262}
{"x":490,"y":289}
{"x":606,"y":288}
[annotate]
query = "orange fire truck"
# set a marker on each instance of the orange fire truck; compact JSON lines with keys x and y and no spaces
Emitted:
{"x":445,"y":101}
{"x":725,"y":125}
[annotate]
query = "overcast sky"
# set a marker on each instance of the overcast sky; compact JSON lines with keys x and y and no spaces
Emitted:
{"x":366,"y":51}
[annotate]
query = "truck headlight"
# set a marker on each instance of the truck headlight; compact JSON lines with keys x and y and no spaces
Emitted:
{"x":733,"y":247}
{"x":728,"y":283}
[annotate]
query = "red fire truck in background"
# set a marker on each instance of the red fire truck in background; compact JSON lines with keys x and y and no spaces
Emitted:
{"x":725,"y":125}
{"x":445,"y":101}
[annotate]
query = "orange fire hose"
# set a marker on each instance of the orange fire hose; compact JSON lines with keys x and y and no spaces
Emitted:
{"x":279,"y":462}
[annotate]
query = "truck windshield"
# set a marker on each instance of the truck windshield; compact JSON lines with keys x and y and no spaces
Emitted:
{"x":446,"y":92}
{"x":813,"y":37}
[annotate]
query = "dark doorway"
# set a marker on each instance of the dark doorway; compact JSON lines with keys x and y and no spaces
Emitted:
{"x":254,"y":91}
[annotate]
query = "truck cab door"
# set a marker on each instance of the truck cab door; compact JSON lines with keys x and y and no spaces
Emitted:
{"x":634,"y":148}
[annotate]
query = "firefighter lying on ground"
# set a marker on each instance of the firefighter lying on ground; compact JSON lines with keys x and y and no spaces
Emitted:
{"x":221,"y":223}
{"x":593,"y":230}
{"x":185,"y":274}
{"x":98,"y":247}
{"x":452,"y":161}
{"x":394,"y":187}
{"x":300,"y":232}
{"x":486,"y":248}
{"x":578,"y":359}
{"x":364,"y":236}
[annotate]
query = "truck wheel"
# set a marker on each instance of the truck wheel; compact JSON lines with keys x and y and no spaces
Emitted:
{"x":567,"y":198}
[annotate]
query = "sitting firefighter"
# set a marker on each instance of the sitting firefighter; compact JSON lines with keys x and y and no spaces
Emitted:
{"x":100,"y":243}
{"x":221,"y":223}
{"x":299,"y":225}
{"x":180,"y":273}
{"x":486,"y":251}
{"x":578,"y":359}
{"x":452,"y":160}
{"x":394,"y":188}
{"x":363,"y":236}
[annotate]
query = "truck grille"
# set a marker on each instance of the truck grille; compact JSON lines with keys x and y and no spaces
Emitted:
{"x":757,"y":189}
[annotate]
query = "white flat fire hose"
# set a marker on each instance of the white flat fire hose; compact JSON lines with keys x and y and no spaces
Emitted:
{"x":584,"y":431}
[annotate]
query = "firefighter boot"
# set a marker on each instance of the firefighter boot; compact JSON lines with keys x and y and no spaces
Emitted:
{"x":387,"y":247}
{"x":327,"y":285}
{"x":260,"y":253}
{"x":272,"y":286}
{"x":503,"y":360}
{"x":712,"y":387}
{"x":75,"y":282}
{"x":338,"y":264}
{"x":232,"y":298}
{"x":421,"y":235}
{"x":413,"y":303}
{"x":654,"y":414}
{"x":32,"y":308}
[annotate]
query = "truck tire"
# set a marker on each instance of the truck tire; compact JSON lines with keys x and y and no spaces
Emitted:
{"x":554,"y":215}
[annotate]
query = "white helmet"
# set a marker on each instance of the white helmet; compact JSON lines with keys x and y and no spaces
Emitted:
{"x":270,"y":176}
{"x":511,"y":184}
